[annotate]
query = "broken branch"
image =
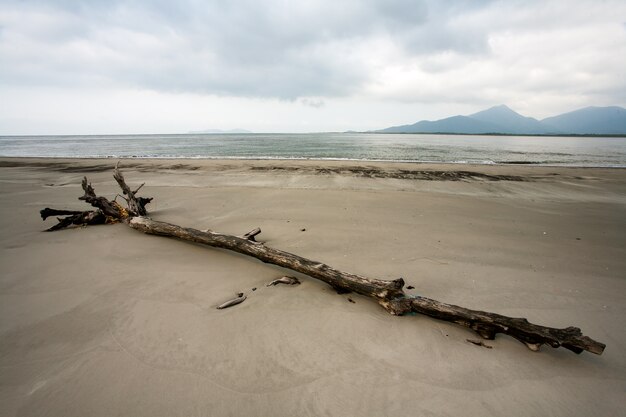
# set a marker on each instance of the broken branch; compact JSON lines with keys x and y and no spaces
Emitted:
{"x":251,"y":234}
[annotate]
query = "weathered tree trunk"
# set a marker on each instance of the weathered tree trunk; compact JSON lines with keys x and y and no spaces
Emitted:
{"x":375,"y":288}
{"x":389,"y":294}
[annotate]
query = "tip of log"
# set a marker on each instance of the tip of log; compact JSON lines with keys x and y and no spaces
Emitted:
{"x":574,"y":340}
{"x":598,"y":350}
{"x":588,"y":344}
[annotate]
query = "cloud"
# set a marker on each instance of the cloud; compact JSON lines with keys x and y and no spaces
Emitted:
{"x":316,"y":104}
{"x":536,"y":62}
{"x":539,"y":57}
{"x":243,"y":48}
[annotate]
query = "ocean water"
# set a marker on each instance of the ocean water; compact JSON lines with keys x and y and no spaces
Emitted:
{"x":570,"y":151}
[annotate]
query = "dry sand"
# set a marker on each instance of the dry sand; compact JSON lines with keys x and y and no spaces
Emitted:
{"x":106,"y":321}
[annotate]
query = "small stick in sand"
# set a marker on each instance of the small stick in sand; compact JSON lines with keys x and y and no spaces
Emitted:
{"x":285,"y":280}
{"x":479,"y":343}
{"x":240,"y":299}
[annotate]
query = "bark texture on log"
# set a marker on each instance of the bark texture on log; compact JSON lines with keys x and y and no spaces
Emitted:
{"x":78,"y":218}
{"x":47,"y":212}
{"x":108,"y":208}
{"x":487,"y":325}
{"x":389,"y":294}
{"x":136,"y":205}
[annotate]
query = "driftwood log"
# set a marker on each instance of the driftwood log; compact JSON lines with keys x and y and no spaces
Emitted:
{"x":389,"y":294}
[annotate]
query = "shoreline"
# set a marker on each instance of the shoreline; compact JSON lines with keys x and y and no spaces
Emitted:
{"x":367,"y":132}
{"x":104,"y":320}
{"x":382,"y":161}
{"x":6,"y":161}
{"x":360,"y":148}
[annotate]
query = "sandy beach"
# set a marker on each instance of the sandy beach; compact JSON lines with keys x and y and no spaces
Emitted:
{"x":104,"y":321}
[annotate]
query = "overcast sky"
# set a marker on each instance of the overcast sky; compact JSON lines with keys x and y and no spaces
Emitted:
{"x":107,"y":66}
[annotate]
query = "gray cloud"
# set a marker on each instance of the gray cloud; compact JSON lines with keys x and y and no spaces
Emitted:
{"x":316,"y":104}
{"x":405,"y":50}
{"x":244,"y":48}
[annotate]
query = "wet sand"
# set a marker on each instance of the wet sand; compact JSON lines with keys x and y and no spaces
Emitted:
{"x":104,"y":320}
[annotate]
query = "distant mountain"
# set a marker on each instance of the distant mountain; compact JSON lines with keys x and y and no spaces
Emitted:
{"x":501,"y":119}
{"x":510,"y":121}
{"x":591,"y":120}
{"x":220,"y":131}
{"x":454,"y":124}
